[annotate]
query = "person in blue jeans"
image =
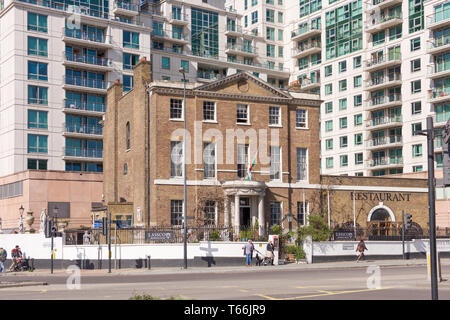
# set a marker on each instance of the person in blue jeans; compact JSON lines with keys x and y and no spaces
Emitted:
{"x":3,"y":255}
{"x":248,"y":252}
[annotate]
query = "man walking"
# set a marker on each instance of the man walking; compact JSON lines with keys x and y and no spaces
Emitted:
{"x":248,"y":252}
{"x":3,"y":255}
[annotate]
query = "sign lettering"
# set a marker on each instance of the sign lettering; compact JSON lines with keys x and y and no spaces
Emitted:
{"x":380,"y":196}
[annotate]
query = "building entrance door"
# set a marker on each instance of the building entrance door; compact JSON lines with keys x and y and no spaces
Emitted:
{"x":244,"y":210}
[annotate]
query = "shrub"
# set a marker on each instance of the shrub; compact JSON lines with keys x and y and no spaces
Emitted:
{"x":215,"y":236}
{"x":317,"y":229}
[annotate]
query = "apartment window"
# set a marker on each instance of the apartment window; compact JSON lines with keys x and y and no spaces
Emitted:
{"x":356,"y":62}
{"x":416,"y":107}
{"x":280,"y":17}
{"x":280,"y":55}
{"x":176,"y":212}
{"x":302,"y":164}
{"x":209,"y":160}
{"x":358,"y":158}
{"x":415,"y":65}
{"x":209,"y":111}
{"x":37,"y":71}
{"x":358,"y":139}
{"x":329,"y":107}
{"x":270,"y":33}
{"x":439,"y":160}
{"x":280,"y":35}
{"x":358,"y":119}
{"x":274,"y":116}
{"x":416,"y":86}
{"x":328,"y":70}
{"x":417,"y":150}
{"x":275,"y":163}
{"x":343,"y":104}
{"x":37,"y":164}
{"x":415,"y":44}
{"x":416,"y":127}
{"x":127,"y":82}
{"x":328,"y":125}
{"x":254,"y":17}
{"x":343,"y":160}
{"x":165,"y":63}
{"x":342,"y":85}
{"x":130,"y":39}
{"x":328,"y":89}
{"x":417,"y":168}
{"x":270,"y":50}
{"x":357,"y":81}
{"x":37,"y":119}
{"x":329,"y":144}
{"x":329,"y":162}
{"x":185,"y":65}
{"x":128,"y":136}
{"x":37,"y":47}
{"x":242,"y":114}
{"x":343,"y":142}
{"x":37,"y":95}
{"x":300,"y":118}
{"x":343,"y":123}
{"x":176,"y":109}
{"x":130,"y":60}
{"x":37,"y":144}
{"x":37,"y":22}
{"x":275,"y":213}
{"x":343,"y":66}
{"x":176,"y":159}
{"x":254,"y":2}
{"x":357,"y":100}
{"x":270,"y":15}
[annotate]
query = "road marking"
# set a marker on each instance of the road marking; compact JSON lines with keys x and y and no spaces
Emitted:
{"x":43,"y":291}
{"x":324,"y":293}
{"x":242,"y":290}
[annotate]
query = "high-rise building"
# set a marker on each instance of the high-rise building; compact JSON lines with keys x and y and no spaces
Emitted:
{"x":379,"y":66}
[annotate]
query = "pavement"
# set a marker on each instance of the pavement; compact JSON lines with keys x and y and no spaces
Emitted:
{"x":220,"y":269}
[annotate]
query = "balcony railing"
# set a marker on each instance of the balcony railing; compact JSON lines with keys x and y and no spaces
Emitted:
{"x":304,"y":29}
{"x":179,"y":16}
{"x":438,"y":42}
{"x":439,"y":67}
{"x":58,"y":5}
{"x":439,"y":92}
{"x":383,"y":80}
{"x":310,"y":45}
{"x":78,"y":34}
{"x":234,"y":28}
{"x":85,"y":106}
{"x":385,"y":161}
{"x":396,"y":97}
{"x":83,"y":152}
{"x":209,"y":75}
{"x":379,"y":20}
{"x":126,"y":6}
{"x":384,"y":58}
{"x":94,"y":60}
{"x":309,"y":82}
{"x":438,"y":17}
{"x":84,"y":82}
{"x":83,"y":128}
{"x":382,"y":141}
{"x":384,"y":120}
{"x":241,"y":48}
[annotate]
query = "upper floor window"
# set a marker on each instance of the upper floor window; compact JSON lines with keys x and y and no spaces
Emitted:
{"x":37,"y":22}
{"x":37,"y":119}
{"x":37,"y":143}
{"x":274,"y":116}
{"x":176,"y":109}
{"x":37,"y":95}
{"x":301,"y":118}
{"x":130,"y":39}
{"x":128,"y":135}
{"x":209,"y":111}
{"x":37,"y":46}
{"x":242,"y":113}
{"x":37,"y":71}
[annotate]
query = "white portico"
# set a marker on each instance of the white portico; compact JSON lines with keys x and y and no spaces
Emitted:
{"x":248,"y":204}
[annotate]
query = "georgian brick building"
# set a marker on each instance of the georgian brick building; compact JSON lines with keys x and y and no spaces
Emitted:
{"x":232,"y":124}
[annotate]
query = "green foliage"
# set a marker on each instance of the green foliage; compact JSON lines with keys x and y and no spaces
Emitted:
{"x":276,"y":229}
{"x":317,"y":229}
{"x":246,"y":234}
{"x":215,"y":236}
{"x":297,"y":250}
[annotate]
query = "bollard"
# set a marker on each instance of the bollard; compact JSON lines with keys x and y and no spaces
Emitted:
{"x":32,"y":264}
{"x":148,"y":262}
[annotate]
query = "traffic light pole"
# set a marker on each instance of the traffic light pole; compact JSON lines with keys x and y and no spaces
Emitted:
{"x":51,"y":258}
{"x":432,"y":210}
{"x":109,"y":242}
{"x":403,"y":234}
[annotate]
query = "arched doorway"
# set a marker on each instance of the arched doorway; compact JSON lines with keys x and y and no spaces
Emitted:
{"x":380,"y":214}
{"x":381,"y":223}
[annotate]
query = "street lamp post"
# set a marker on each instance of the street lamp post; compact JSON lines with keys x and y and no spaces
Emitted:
{"x":55,"y":214}
{"x":21,"y":210}
{"x":183,"y":72}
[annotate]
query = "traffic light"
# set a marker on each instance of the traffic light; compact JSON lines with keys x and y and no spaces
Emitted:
{"x":104,"y":226}
{"x":408,"y":223}
{"x":48,"y":228}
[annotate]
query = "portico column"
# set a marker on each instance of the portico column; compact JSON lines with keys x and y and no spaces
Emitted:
{"x":226,"y":213}
{"x":261,"y":218}
{"x":237,"y":214}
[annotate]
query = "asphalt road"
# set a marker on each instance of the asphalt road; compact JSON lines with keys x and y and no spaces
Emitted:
{"x":367,"y":282}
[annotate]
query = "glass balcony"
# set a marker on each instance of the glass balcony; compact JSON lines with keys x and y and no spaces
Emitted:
{"x":126,"y":6}
{"x":84,"y":106}
{"x":209,"y":75}
{"x":384,"y":60}
{"x":385,"y":121}
{"x":439,"y":19}
{"x":88,"y":59}
{"x":379,"y":23}
{"x":179,"y":17}
{"x":232,"y":28}
{"x":384,"y":141}
{"x":250,"y":50}
{"x":83,"y":152}
{"x":378,"y":162}
{"x":88,"y":36}
{"x":59,"y":5}
{"x":307,"y":49}
{"x":439,"y":93}
{"x":83,"y":128}
{"x":379,"y":82}
{"x":439,"y":69}
{"x":381,"y":101}
{"x":85,"y":82}
{"x":305,"y":31}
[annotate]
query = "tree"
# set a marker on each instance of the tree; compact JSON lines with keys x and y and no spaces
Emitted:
{"x":318,"y":229}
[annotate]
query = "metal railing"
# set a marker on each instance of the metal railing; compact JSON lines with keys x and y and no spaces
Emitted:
{"x":89,"y":59}
{"x":85,"y":82}
{"x":304,"y":29}
{"x":438,"y":42}
{"x":179,"y":16}
{"x":242,"y":48}
{"x":384,"y":120}
{"x":83,"y":152}
{"x":384,"y":58}
{"x":89,"y":36}
{"x":382,"y":80}
{"x":438,"y":67}
{"x":385,"y":161}
{"x":83,"y":128}
{"x":376,"y":21}
{"x":67,"y":7}
{"x":126,"y":6}
{"x":309,"y":45}
{"x":209,"y":75}
{"x":396,"y":97}
{"x":437,"y":17}
{"x":85,"y":106}
{"x":384,"y":141}
{"x":439,"y":92}
{"x":234,"y":28}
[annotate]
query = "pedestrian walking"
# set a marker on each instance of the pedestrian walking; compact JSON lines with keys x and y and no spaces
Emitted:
{"x":360,"y":248}
{"x":248,"y":252}
{"x":270,"y":252}
{"x":86,"y":238}
{"x":3,"y":256}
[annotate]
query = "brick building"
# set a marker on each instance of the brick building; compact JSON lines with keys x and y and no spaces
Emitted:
{"x":232,"y":124}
